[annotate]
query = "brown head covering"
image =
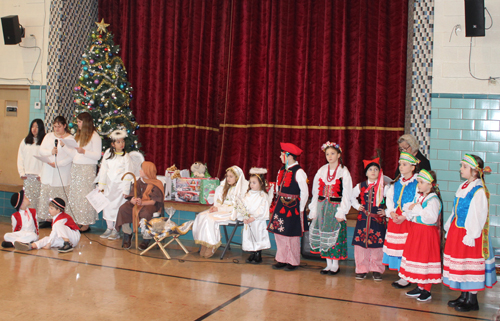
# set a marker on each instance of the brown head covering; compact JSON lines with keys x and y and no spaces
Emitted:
{"x":149,"y":170}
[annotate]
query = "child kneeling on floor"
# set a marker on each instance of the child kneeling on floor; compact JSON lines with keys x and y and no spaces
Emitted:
{"x":65,"y":234}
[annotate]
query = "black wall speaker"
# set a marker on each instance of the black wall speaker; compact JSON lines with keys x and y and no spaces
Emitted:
{"x":474,"y":18}
{"x":12,"y":31}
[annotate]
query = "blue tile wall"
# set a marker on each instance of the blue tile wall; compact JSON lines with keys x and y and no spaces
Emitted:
{"x":35,"y":96}
{"x":466,"y":124}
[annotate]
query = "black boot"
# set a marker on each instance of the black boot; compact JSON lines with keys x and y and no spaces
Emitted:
{"x":127,"y":241}
{"x":470,"y":303}
{"x":144,"y":244}
{"x":250,"y":258}
{"x":456,"y":302}
{"x":7,"y":244}
{"x":258,"y":257}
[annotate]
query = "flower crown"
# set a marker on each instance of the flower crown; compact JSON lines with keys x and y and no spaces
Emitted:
{"x":329,"y":144}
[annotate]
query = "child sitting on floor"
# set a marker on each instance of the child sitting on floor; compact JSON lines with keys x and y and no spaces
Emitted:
{"x":24,"y":223}
{"x":65,"y":233}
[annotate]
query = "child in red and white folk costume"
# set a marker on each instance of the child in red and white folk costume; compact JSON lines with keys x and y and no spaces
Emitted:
{"x":421,"y":261}
{"x":65,"y":234}
{"x":469,"y":261}
{"x":369,"y":233}
{"x":402,"y":191}
{"x":24,"y":223}
{"x":288,"y":221}
{"x":331,"y":201}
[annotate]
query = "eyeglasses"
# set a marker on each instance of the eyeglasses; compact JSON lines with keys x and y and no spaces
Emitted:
{"x":404,"y":149}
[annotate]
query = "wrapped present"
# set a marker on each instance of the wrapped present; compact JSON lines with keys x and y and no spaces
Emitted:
{"x":207,"y":190}
{"x":187,"y":189}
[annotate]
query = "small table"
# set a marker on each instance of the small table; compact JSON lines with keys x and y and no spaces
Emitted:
{"x":187,"y":206}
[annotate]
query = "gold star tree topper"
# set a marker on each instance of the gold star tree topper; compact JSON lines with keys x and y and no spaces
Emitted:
{"x":101,"y":26}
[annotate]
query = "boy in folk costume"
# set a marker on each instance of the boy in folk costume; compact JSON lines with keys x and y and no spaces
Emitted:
{"x":369,"y":233}
{"x":24,"y":223}
{"x":65,"y":234}
{"x":288,"y":222}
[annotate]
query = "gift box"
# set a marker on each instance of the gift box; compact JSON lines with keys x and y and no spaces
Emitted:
{"x":207,"y":190}
{"x":187,"y":189}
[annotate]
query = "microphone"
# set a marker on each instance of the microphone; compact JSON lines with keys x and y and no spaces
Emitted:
{"x":55,"y":144}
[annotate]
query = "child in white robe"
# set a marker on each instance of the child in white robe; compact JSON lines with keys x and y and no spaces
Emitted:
{"x":256,"y":203}
{"x":65,"y":234}
{"x":115,"y":163}
{"x":24,"y":223}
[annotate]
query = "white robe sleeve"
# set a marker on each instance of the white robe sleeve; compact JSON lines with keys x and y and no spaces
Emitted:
{"x":354,"y":197}
{"x":103,"y":171}
{"x":476,"y":218}
{"x":345,"y":204}
{"x":46,"y":146}
{"x":313,"y":206}
{"x":389,"y":201}
{"x":262,"y":211}
{"x":20,"y":159}
{"x":127,"y":182}
{"x":301,"y":178}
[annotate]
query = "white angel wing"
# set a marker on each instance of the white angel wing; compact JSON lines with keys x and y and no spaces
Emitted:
{"x":137,"y":160}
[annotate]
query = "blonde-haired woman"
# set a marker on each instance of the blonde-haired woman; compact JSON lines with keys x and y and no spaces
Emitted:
{"x":409,"y":144}
{"x":83,"y":171}
{"x":206,"y":227}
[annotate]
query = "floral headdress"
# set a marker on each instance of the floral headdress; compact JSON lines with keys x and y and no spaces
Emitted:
{"x":330,"y":144}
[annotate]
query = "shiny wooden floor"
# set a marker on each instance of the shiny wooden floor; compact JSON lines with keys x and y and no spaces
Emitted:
{"x":103,"y":282}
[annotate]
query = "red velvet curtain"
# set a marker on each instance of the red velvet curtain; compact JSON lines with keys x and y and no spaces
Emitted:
{"x":225,"y":82}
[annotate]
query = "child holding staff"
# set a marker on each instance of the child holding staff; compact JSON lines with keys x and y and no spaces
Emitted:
{"x":115,"y":163}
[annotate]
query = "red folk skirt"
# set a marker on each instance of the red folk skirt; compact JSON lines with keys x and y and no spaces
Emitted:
{"x":421,"y":261}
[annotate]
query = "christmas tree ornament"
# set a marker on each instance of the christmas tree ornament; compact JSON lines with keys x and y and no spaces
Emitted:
{"x":101,"y":27}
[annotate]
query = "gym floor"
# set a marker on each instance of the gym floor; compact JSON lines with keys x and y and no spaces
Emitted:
{"x":100,"y":281}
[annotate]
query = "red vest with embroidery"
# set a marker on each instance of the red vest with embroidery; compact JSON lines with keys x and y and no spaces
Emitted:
{"x":19,"y":220}
{"x":69,"y":221}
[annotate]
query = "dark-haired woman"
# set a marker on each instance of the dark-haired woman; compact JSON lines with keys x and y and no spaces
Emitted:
{"x":56,"y":175}
{"x":28,"y":166}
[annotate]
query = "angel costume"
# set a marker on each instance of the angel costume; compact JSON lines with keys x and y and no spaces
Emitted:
{"x":255,"y":235}
{"x":206,"y":229}
{"x":421,"y":261}
{"x":82,"y":180}
{"x":331,"y":199}
{"x":29,"y":166}
{"x":110,"y":180}
{"x":55,"y":181}
{"x":469,"y":261}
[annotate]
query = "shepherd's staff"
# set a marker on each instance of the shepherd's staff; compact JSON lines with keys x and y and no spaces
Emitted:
{"x":135,"y":210}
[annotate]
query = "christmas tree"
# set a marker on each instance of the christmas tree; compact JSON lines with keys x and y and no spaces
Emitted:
{"x":103,"y":89}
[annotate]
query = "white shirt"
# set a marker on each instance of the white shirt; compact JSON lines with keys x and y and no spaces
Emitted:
{"x":26,"y":162}
{"x":478,"y":212}
{"x":301,"y":178}
{"x":50,"y":175}
{"x":345,"y":203}
{"x":92,"y":154}
{"x":429,"y":214}
{"x":355,"y":193}
{"x":27,"y":224}
{"x":389,"y":200}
